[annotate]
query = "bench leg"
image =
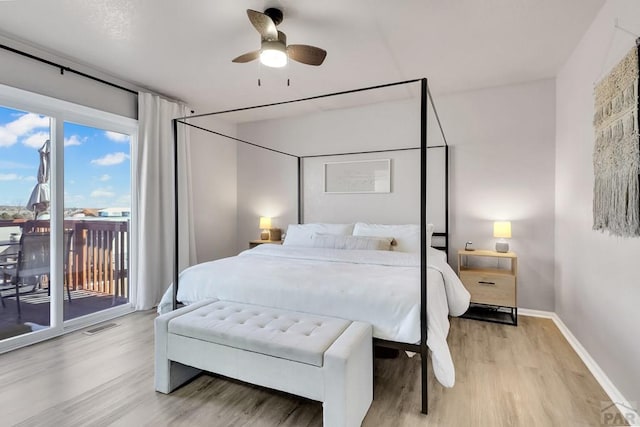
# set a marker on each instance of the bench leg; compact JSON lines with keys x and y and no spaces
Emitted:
{"x":170,"y":375}
{"x":348,"y":375}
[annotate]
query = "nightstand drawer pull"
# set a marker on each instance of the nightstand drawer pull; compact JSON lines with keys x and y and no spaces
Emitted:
{"x":482,"y":282}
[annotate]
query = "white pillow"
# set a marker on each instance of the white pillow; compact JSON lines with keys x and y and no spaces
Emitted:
{"x":437,"y":254}
{"x":407,"y":236}
{"x":334,"y":241}
{"x":302,"y":234}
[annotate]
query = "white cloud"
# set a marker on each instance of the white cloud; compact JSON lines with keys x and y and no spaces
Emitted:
{"x":105,"y":177}
{"x":111,"y":159}
{"x":7,"y":139}
{"x":117,"y":137}
{"x":9,"y":177}
{"x":102,"y":193}
{"x":73,"y":140}
{"x":36,"y":140}
{"x":29,"y":178}
{"x":24,"y":125}
{"x":27,"y":123}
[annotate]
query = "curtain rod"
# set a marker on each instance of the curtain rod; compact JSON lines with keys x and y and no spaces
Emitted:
{"x":64,"y":68}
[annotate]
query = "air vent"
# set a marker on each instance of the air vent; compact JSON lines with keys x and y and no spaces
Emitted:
{"x":100,"y":328}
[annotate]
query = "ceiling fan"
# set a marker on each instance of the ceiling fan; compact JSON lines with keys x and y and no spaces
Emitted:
{"x":274,"y":51}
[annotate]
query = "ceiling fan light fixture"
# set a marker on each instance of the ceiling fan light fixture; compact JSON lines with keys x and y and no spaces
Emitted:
{"x":274,"y":51}
{"x":273,"y":54}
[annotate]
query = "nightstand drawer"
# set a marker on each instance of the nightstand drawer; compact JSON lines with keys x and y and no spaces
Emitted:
{"x":487,"y":288}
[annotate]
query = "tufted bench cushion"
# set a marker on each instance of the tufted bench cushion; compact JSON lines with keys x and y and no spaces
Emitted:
{"x":285,"y":334}
{"x":317,"y":357}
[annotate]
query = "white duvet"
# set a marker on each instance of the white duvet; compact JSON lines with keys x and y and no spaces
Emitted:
{"x":378,"y":287}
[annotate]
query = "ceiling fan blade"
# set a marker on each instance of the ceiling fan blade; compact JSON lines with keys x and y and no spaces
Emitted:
{"x":306,"y":54}
{"x":247,"y":57}
{"x":265,"y":25}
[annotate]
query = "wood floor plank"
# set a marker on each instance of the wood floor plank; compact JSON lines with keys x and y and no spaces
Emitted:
{"x":505,"y":376}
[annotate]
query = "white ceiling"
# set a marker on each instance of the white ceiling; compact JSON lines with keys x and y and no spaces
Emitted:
{"x":183,"y":49}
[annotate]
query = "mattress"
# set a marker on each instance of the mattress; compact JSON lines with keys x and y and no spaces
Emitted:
{"x":378,"y":287}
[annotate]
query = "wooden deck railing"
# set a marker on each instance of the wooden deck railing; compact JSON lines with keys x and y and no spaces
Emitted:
{"x":99,"y":253}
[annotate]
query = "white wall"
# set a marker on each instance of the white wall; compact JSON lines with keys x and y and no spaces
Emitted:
{"x":502,"y":167}
{"x":213,"y":167}
{"x":400,"y":206}
{"x":597,"y":276}
{"x":376,"y":126}
{"x":267,"y":186}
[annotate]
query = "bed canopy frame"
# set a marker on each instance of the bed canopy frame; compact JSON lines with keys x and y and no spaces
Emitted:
{"x":425,"y":99}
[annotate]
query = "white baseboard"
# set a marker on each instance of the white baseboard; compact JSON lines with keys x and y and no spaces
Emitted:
{"x":623,"y":405}
{"x":536,"y":313}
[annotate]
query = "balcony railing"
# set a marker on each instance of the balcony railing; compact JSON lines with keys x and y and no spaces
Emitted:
{"x":98,"y":259}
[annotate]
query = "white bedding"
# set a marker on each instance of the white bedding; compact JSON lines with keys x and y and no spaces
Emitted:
{"x":378,"y":287}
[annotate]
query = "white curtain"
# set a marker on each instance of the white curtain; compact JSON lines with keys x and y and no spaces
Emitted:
{"x":154,"y":169}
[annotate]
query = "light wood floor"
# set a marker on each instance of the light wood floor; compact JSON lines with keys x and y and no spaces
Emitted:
{"x":506,"y":376}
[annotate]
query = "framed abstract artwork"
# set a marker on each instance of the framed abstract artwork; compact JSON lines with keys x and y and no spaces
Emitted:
{"x":364,"y":176}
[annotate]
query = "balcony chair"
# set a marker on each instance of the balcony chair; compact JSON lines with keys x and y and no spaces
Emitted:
{"x":33,"y":262}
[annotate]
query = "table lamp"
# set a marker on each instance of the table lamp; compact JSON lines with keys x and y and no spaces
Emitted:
{"x":265,"y":225}
{"x":502,"y":230}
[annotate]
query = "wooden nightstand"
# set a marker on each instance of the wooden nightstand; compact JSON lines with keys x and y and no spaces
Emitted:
{"x":493,"y":287}
{"x":254,"y":243}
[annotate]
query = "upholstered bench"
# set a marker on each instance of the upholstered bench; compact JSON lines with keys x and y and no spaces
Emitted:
{"x":317,"y":357}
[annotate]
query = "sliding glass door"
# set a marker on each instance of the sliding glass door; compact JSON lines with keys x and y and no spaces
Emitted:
{"x":25,"y":258}
{"x":97,"y":214}
{"x":66,"y":217}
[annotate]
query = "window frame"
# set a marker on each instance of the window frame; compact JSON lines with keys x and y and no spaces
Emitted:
{"x":61,"y":111}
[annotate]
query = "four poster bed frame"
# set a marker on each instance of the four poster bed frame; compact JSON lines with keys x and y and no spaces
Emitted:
{"x":425,"y":99}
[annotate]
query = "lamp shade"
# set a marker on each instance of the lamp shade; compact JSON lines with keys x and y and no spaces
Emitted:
{"x":265,"y":222}
{"x":502,"y":229}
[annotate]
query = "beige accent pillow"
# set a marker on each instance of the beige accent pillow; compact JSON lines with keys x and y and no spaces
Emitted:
{"x":333,"y":241}
{"x":407,"y":236}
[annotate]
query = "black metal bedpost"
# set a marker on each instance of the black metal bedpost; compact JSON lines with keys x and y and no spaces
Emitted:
{"x":299,"y":191}
{"x":446,"y":197}
{"x":424,"y":351}
{"x":176,"y":242}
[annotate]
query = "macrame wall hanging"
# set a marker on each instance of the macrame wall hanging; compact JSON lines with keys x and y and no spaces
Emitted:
{"x":616,"y":154}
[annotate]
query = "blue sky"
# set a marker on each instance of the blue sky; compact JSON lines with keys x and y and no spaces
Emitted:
{"x":97,"y":162}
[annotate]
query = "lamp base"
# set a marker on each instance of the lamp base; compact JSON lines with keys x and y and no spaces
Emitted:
{"x":502,"y":247}
{"x":264,"y":235}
